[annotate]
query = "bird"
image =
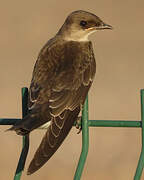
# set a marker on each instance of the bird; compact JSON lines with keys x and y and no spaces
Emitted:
{"x":63,"y":74}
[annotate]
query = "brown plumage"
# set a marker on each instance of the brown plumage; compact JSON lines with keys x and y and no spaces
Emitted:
{"x":62,"y":76}
{"x":64,"y":95}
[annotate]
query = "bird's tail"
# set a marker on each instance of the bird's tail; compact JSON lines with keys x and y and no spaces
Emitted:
{"x":29,"y":123}
{"x":20,"y":130}
{"x":53,"y":138}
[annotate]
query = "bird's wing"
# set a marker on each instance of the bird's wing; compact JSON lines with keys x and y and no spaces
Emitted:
{"x":69,"y":84}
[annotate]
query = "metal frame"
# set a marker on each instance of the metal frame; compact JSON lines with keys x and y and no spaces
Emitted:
{"x":86,"y":123}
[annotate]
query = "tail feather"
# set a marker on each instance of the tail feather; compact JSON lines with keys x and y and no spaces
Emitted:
{"x":29,"y":123}
{"x":51,"y":141}
{"x":19,"y":130}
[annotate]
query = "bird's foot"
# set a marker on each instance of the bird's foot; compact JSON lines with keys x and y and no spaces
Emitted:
{"x":79,"y":124}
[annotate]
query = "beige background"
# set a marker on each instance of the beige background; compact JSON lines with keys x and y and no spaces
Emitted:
{"x":25,"y":26}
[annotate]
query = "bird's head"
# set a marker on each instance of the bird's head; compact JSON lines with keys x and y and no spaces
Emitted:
{"x":80,"y":24}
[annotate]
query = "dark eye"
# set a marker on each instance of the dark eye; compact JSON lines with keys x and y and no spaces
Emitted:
{"x":98,"y":24}
{"x":83,"y":23}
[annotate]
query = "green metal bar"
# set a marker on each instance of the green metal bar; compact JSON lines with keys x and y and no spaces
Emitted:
{"x":91,"y":123}
{"x":25,"y":147}
{"x":85,"y":142}
{"x":8,"y":121}
{"x":85,"y":136}
{"x":141,"y":159}
{"x":110,"y":123}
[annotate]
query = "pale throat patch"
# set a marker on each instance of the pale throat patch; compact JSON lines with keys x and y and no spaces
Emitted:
{"x":79,"y":35}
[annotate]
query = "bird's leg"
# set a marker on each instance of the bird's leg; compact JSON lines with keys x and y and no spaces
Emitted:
{"x":79,"y":120}
{"x":79,"y":124}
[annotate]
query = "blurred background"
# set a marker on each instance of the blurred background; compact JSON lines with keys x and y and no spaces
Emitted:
{"x":25,"y":26}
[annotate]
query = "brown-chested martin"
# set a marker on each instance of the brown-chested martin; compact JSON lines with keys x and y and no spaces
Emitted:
{"x":62,"y":76}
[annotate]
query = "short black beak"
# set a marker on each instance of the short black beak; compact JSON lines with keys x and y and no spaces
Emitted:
{"x":104,"y":26}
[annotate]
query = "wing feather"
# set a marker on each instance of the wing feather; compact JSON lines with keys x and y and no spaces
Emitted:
{"x":67,"y":80}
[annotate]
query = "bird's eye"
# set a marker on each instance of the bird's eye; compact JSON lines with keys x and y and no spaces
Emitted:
{"x":98,"y":24}
{"x":83,"y":23}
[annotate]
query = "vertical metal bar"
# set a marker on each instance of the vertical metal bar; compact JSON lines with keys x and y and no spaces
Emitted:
{"x":141,"y":159}
{"x":85,"y":142}
{"x":25,"y":146}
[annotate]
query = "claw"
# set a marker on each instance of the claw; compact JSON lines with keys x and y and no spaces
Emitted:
{"x":78,"y":124}
{"x":79,"y":131}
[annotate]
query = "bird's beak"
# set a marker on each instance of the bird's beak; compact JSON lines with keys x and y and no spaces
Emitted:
{"x":104,"y":26}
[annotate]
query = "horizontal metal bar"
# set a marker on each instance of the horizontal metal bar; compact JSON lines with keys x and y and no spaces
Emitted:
{"x":92,"y":123}
{"x":113,"y":123}
{"x":8,"y":121}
